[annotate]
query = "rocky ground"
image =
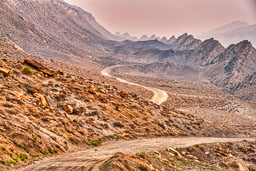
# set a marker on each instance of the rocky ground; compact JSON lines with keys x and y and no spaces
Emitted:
{"x":204,"y":100}
{"x":45,"y":111}
{"x":239,"y":156}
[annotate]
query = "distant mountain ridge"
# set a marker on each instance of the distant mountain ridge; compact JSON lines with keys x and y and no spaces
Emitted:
{"x":232,"y":33}
{"x":232,"y":67}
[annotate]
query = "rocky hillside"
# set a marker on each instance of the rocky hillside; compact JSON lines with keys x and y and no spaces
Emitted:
{"x":186,"y":42}
{"x":129,"y":47}
{"x":205,"y":53}
{"x":218,"y":156}
{"x":45,"y":111}
{"x":235,"y":67}
{"x":52,"y":29}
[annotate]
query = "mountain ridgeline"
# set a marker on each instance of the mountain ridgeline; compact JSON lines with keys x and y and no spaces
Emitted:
{"x":206,"y":61}
{"x":60,"y":31}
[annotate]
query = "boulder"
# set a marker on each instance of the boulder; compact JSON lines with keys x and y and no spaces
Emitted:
{"x":5,"y":72}
{"x":32,"y":89}
{"x":43,"y":99}
{"x":60,"y":72}
{"x":68,"y":109}
{"x":102,"y":90}
{"x":123,"y":94}
{"x":39,"y":67}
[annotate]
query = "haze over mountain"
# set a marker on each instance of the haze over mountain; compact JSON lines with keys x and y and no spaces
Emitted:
{"x":167,"y":17}
{"x":233,"y":33}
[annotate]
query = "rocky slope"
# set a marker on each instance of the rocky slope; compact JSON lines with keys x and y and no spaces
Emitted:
{"x":52,"y":29}
{"x":44,"y":112}
{"x":186,"y":42}
{"x":218,"y":156}
{"x":235,"y":67}
{"x":205,"y":53}
{"x":129,"y":47}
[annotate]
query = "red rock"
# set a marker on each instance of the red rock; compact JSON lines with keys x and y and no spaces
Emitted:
{"x":39,"y":67}
{"x":123,"y":94}
{"x":5,"y":72}
{"x":68,"y":109}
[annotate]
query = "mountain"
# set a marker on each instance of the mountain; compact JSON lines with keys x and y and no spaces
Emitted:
{"x":206,"y":52}
{"x":233,"y":33}
{"x":164,"y":39}
{"x":144,"y":38}
{"x":153,"y":37}
{"x":129,"y":47}
{"x":52,"y":29}
{"x":181,"y":51}
{"x":186,"y":42}
{"x":235,"y":67}
{"x":171,"y":40}
{"x":230,"y":27}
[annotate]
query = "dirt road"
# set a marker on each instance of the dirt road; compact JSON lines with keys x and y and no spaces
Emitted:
{"x":92,"y":158}
{"x":159,"y":97}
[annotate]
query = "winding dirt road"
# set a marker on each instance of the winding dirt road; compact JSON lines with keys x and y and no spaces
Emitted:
{"x":92,"y":158}
{"x":159,"y":97}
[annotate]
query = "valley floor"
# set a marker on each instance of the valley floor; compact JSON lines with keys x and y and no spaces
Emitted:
{"x":204,"y":100}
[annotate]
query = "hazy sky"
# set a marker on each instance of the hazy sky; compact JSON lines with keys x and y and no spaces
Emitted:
{"x":167,"y":17}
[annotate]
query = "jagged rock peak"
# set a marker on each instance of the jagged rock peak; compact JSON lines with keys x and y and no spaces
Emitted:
{"x":183,"y":36}
{"x":245,"y":44}
{"x":172,"y":38}
{"x":241,"y":46}
{"x":211,"y":42}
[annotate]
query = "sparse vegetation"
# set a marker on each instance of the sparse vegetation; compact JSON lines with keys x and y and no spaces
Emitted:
{"x":95,"y":143}
{"x":9,"y":162}
{"x":27,"y":70}
{"x":52,"y":151}
{"x":45,"y":153}
{"x":34,"y":140}
{"x":22,"y":156}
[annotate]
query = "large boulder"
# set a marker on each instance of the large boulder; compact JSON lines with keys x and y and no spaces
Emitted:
{"x":39,"y":67}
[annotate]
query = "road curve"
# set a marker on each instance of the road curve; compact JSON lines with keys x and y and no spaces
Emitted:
{"x":159,"y":97}
{"x":92,"y":158}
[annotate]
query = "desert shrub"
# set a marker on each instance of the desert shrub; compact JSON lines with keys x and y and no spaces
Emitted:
{"x":22,"y":157}
{"x":95,"y":143}
{"x":9,"y":162}
{"x":27,"y":70}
